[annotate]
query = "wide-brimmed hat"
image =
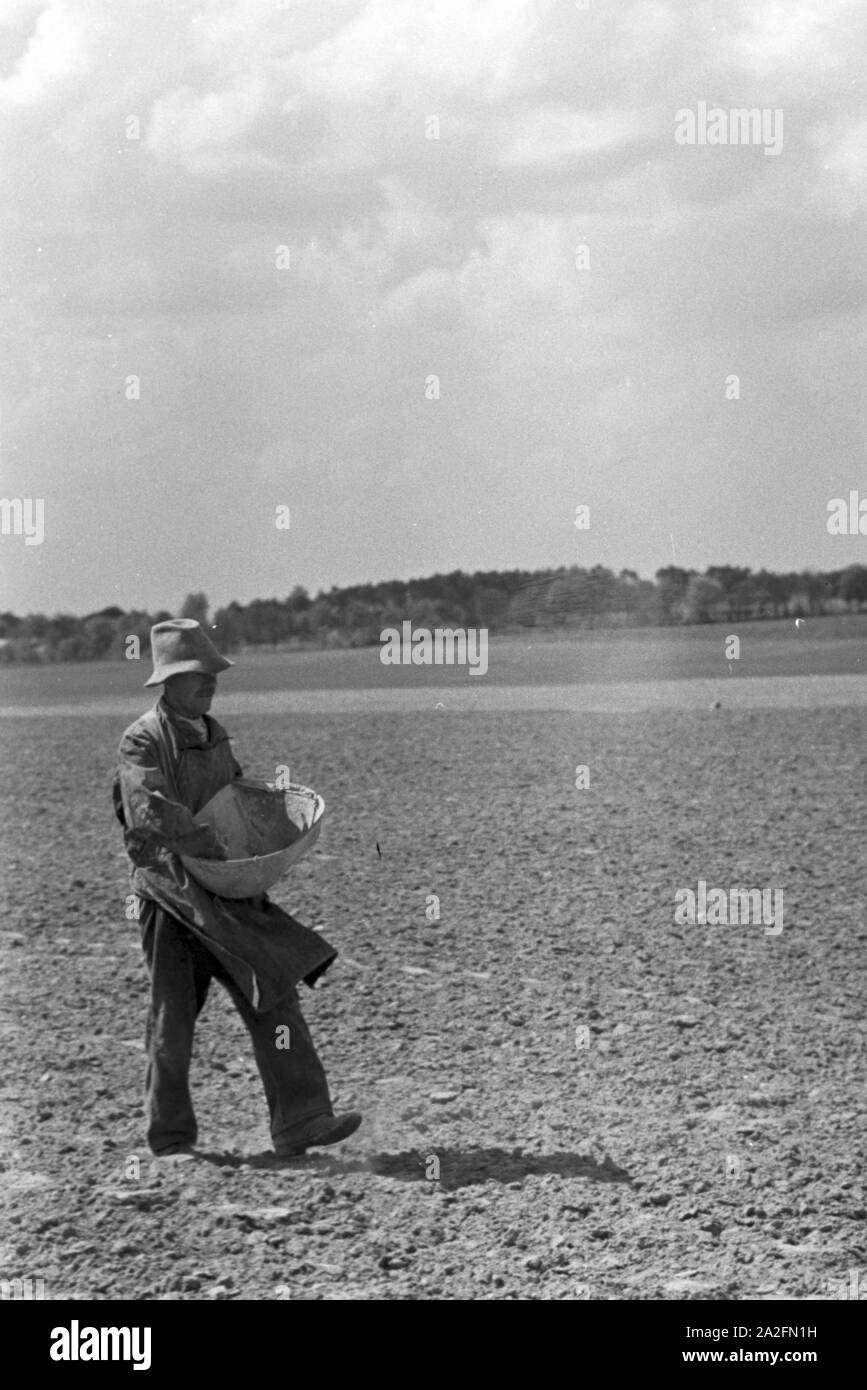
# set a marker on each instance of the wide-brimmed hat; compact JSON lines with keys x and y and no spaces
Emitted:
{"x":180,"y":644}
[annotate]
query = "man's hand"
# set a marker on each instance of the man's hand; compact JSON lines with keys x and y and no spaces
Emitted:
{"x":149,"y":808}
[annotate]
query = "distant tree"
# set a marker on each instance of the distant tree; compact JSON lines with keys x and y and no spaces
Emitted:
{"x":626,"y":594}
{"x":728,"y":576}
{"x":299,"y":623}
{"x":499,"y":600}
{"x":393,"y":592}
{"x":602,"y":589}
{"x":459,"y":589}
{"x":647,"y":610}
{"x":422,"y":612}
{"x":704,"y":600}
{"x":741,"y":600}
{"x":817,"y":590}
{"x":525,"y":605}
{"x":73,"y":648}
{"x":852,"y":585}
{"x":391,"y":615}
{"x":778,"y":587}
{"x":112,"y":612}
{"x":263,"y":621}
{"x":195,"y":606}
{"x":34,"y":625}
{"x":672,"y":583}
{"x":739,"y":593}
{"x":98,"y":637}
{"x":228,"y":629}
{"x":299,"y":600}
{"x":491,"y":607}
{"x":322,"y":618}
{"x":361,"y":625}
{"x":568,"y":598}
{"x":749,"y":599}
{"x":60,"y":626}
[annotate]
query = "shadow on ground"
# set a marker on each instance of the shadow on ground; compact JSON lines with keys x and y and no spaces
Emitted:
{"x":461,"y":1167}
{"x":456,"y":1167}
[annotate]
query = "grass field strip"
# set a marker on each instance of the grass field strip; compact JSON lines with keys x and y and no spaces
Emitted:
{"x":756,"y":692}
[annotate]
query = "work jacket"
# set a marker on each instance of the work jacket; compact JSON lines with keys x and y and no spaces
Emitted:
{"x":165,"y":775}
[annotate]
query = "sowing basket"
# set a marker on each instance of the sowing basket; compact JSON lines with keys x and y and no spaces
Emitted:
{"x":266,"y":830}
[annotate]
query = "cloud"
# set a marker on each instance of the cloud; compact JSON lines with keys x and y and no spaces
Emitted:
{"x":417,"y":247}
{"x":190,"y":127}
{"x":444,"y":45}
{"x":558,"y":137}
{"x":56,"y":58}
{"x":791,"y":37}
{"x":841,"y":154}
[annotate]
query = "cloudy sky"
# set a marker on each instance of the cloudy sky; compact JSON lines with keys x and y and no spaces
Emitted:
{"x":166,"y":159}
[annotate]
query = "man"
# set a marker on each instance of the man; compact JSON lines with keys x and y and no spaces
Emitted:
{"x":171,"y":762}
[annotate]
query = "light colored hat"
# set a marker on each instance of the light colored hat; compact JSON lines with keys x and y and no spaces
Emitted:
{"x":180,"y":644}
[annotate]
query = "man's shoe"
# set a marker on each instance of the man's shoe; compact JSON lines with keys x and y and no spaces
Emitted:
{"x":176,"y":1151}
{"x":331,"y":1129}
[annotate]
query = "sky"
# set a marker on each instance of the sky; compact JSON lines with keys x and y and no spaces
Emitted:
{"x":431,"y":276}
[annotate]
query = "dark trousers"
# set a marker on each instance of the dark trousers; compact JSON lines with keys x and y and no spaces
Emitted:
{"x":181,"y":969}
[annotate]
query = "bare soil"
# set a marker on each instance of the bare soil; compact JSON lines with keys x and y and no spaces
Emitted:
{"x":566,"y":1094}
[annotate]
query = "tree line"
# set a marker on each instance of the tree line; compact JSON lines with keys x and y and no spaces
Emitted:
{"x":501,"y":601}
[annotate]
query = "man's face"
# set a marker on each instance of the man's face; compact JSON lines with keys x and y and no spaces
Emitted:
{"x":190,"y":693}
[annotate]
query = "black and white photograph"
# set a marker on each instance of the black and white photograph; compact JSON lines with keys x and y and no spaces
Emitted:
{"x":433,"y":663}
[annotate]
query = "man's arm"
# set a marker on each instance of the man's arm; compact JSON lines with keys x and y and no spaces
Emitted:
{"x":148,"y":808}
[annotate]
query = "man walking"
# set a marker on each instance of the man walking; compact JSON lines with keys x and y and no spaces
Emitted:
{"x":171,"y":762}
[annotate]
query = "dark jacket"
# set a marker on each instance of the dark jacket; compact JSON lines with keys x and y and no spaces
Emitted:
{"x":165,"y":775}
